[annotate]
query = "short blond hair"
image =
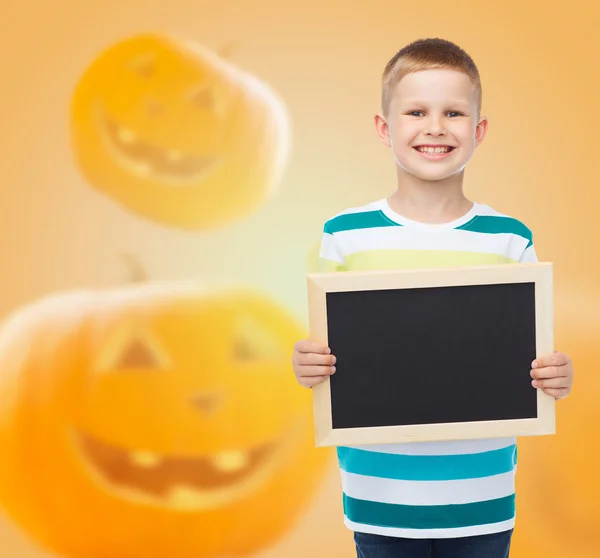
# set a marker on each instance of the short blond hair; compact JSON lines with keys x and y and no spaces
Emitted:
{"x":428,"y":54}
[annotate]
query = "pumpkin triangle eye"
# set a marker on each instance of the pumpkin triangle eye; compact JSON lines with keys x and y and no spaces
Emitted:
{"x":137,"y":354}
{"x":254,"y":342}
{"x":131,"y":348}
{"x":202,"y":98}
{"x":244,"y":351}
{"x":144,"y":65}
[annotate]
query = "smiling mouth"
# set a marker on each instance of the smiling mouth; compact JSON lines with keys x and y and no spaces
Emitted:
{"x":140,"y":157}
{"x":435,"y":154}
{"x":189,"y":483}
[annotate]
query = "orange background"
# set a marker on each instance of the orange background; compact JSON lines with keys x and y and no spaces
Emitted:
{"x":539,"y":67}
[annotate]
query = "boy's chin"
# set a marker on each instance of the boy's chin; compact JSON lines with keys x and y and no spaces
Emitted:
{"x":436,"y":175}
{"x":433,"y":171}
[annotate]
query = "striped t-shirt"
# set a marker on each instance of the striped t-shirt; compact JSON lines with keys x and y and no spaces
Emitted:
{"x":426,"y":489}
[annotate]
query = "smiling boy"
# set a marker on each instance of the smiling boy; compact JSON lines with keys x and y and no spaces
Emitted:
{"x":453,"y":499}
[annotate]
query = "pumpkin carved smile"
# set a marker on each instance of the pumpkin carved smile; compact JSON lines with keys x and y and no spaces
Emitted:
{"x":182,"y":482}
{"x":169,"y":166}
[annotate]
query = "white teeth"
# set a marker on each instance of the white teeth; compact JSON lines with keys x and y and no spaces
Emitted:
{"x":174,"y":155}
{"x":126,"y":135}
{"x":230,"y":461}
{"x":145,"y":459}
{"x":433,"y":149}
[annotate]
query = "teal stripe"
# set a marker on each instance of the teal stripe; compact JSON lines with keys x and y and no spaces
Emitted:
{"x":363,"y":220}
{"x":494,"y":224}
{"x":429,"y":517}
{"x":427,"y":467}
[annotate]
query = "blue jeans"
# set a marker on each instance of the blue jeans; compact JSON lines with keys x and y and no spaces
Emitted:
{"x":496,"y":545}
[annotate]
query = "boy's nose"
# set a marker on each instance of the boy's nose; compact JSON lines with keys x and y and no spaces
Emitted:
{"x":434,"y":126}
{"x":435,"y":130}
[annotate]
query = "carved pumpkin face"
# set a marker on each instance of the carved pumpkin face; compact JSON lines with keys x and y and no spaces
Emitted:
{"x":154,"y":421}
{"x":557,"y":481}
{"x":175,"y":134}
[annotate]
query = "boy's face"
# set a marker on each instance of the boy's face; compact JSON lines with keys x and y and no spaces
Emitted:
{"x":432,"y":107}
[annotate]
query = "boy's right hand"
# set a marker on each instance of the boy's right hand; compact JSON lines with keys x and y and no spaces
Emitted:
{"x":313,"y":363}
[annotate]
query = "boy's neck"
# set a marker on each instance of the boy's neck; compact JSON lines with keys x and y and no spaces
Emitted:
{"x":431,"y":202}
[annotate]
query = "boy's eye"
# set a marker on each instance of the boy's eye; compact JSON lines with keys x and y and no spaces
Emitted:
{"x":417,"y":112}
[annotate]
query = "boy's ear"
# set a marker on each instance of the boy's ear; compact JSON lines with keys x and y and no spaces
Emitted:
{"x":481,"y":130}
{"x":382,"y":130}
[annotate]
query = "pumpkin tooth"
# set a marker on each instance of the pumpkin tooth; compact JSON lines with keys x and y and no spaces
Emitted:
{"x":183,"y":497}
{"x":126,"y":135}
{"x":145,"y":459}
{"x":230,"y":461}
{"x":174,"y":156}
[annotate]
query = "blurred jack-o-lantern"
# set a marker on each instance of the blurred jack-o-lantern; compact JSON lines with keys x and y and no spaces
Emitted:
{"x":154,"y":420}
{"x":557,"y":480}
{"x":176,"y":134}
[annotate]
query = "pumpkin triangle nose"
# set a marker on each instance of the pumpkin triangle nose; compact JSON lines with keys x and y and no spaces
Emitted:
{"x":207,"y":402}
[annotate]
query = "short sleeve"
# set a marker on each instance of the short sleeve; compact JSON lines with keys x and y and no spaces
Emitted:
{"x":529,"y":255}
{"x":330,"y":255}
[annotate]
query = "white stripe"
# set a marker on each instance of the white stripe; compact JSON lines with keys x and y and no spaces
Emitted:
{"x":428,"y":493}
{"x":451,"y":447}
{"x":475,"y":530}
{"x":404,"y":238}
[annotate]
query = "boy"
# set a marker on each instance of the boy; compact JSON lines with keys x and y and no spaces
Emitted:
{"x":452,"y":499}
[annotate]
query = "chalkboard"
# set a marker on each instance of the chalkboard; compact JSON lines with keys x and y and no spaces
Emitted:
{"x":432,"y":354}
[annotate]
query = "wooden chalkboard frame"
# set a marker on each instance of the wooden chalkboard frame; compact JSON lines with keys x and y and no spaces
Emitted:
{"x":319,"y":284}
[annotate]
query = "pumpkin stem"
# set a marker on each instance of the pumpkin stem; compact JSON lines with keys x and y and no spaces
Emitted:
{"x":138,"y":273}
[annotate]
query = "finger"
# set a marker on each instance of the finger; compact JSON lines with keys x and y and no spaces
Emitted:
{"x":307,"y":346}
{"x":550,"y":383}
{"x":548,"y":372}
{"x":314,"y":359}
{"x":312,"y":381}
{"x":554,"y":359}
{"x":304,"y":359}
{"x":557,"y":393}
{"x":304,"y":371}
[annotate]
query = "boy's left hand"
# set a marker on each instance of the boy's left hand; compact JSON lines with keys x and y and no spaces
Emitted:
{"x":553,"y":374}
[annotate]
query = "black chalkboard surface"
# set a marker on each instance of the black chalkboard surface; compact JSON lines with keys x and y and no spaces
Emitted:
{"x":474,"y":344}
{"x":415,"y":358}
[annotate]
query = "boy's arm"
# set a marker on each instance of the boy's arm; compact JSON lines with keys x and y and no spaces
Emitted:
{"x":552,"y":373}
{"x":313,"y":362}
